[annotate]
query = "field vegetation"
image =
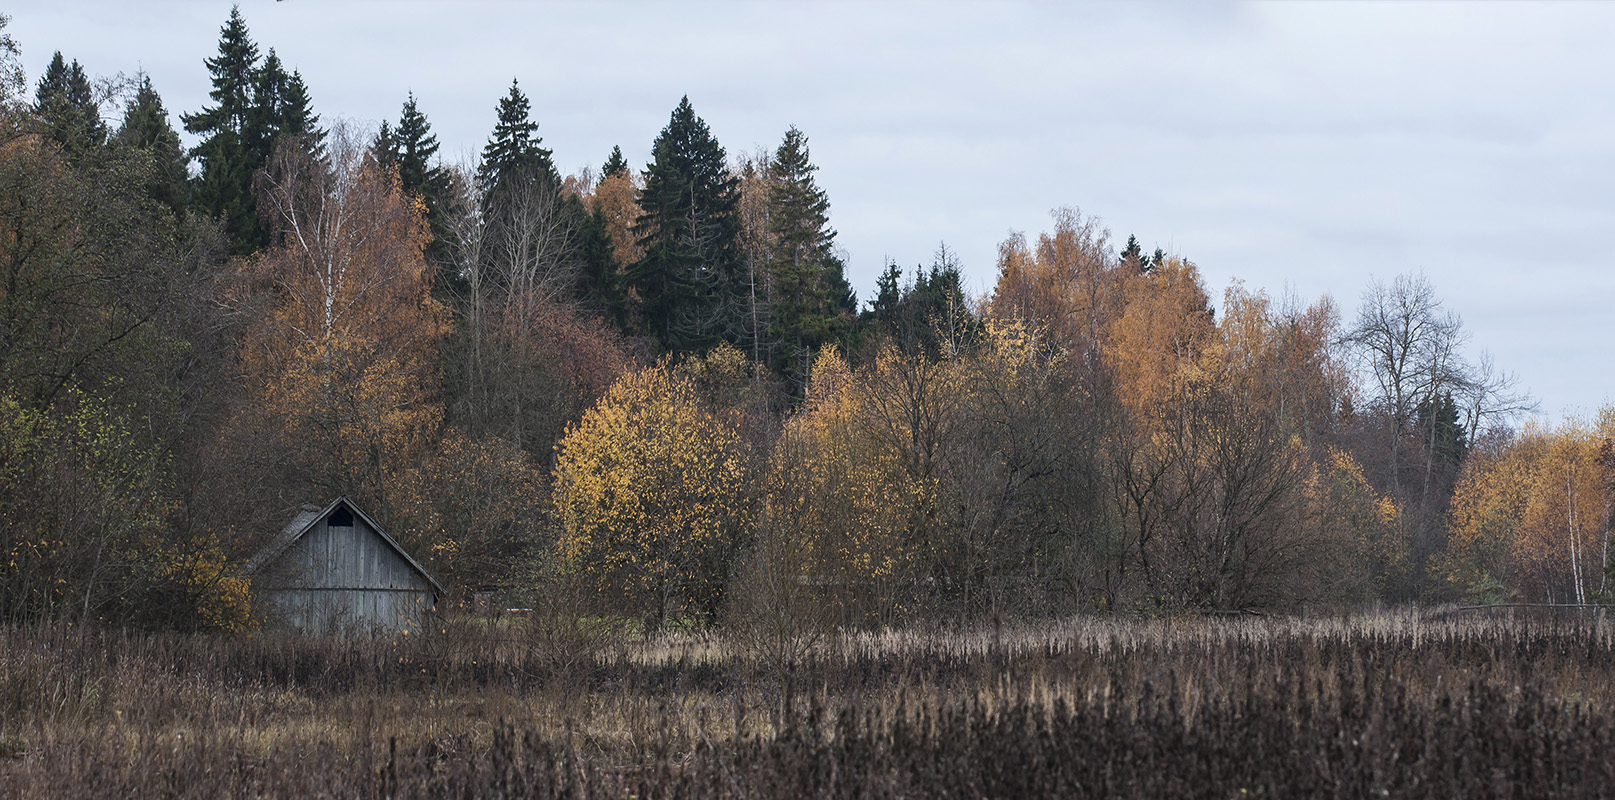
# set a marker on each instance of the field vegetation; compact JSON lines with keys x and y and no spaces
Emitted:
{"x":1397,"y":704}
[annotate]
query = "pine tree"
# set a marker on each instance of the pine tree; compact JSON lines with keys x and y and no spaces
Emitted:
{"x":66,"y":102}
{"x":411,"y":148}
{"x":281,"y":111}
{"x":1133,"y":254}
{"x":615,"y":164}
{"x":689,"y":280}
{"x":146,"y":128}
{"x":600,"y":285}
{"x":809,"y":300}
{"x":225,"y":187}
{"x":514,"y":151}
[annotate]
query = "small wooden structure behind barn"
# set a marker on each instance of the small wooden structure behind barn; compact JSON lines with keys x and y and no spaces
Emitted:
{"x":334,"y":570}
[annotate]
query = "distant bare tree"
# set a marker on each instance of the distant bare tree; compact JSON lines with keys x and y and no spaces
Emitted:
{"x":1410,"y":346}
{"x":1493,"y":396}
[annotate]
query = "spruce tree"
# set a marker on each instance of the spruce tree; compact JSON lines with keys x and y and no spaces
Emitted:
{"x":689,"y":281}
{"x":263,"y":119}
{"x":600,"y":285}
{"x":888,"y":291}
{"x":281,"y":112}
{"x":615,"y":164}
{"x":224,"y":189}
{"x":1133,"y":254}
{"x":810,"y":302}
{"x":415,"y":149}
{"x":411,"y":148}
{"x":66,"y":103}
{"x":296,"y":117}
{"x":386,"y":145}
{"x":514,"y":151}
{"x":917,"y":315}
{"x":521,"y":193}
{"x":1441,"y":430}
{"x":146,"y":129}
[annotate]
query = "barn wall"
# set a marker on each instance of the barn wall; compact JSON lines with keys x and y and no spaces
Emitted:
{"x":333,"y":579}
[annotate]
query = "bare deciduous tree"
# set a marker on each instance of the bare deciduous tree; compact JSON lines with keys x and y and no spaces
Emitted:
{"x":1410,"y":346}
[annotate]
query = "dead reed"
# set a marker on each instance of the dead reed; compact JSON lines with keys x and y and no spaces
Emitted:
{"x":1340,"y":707}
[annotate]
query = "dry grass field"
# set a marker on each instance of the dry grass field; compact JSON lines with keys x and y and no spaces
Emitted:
{"x":1386,"y":705}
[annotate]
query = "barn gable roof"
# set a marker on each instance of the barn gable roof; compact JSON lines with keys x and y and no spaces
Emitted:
{"x":305,"y":520}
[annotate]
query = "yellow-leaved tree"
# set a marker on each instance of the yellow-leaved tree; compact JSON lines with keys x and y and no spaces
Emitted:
{"x":848,"y":492}
{"x":346,"y":355}
{"x":1484,"y":517}
{"x":1532,"y":516}
{"x":651,"y":494}
{"x":1564,"y":536}
{"x":1361,"y":534}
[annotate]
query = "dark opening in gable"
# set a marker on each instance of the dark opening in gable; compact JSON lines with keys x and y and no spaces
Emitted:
{"x":340,"y":518}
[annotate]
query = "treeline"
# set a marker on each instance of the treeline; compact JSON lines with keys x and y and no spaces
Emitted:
{"x":655,"y":391}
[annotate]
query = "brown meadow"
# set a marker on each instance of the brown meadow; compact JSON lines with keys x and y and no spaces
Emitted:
{"x":1343,"y":707}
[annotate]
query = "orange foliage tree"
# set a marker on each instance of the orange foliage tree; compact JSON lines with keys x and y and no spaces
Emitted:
{"x":1070,"y":284}
{"x":1160,"y":335}
{"x":346,"y":354}
{"x":1532,"y":516}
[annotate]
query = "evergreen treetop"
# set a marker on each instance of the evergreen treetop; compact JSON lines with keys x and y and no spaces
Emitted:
{"x":515,"y":147}
{"x":411,"y":147}
{"x":66,"y":102}
{"x":234,"y":72}
{"x":280,"y":111}
{"x":798,"y":209}
{"x":811,"y":303}
{"x":689,"y":279}
{"x":256,"y":106}
{"x":145,"y":127}
{"x":615,"y":164}
{"x":415,"y":148}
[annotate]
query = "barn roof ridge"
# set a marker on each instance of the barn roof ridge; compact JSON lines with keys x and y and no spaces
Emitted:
{"x":305,"y":519}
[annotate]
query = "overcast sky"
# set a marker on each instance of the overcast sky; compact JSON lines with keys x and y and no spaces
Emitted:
{"x":1302,"y":146}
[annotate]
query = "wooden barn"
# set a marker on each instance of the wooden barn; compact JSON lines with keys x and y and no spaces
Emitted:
{"x":334,"y":570}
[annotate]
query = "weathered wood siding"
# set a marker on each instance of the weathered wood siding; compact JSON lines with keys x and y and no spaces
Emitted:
{"x":344,"y":577}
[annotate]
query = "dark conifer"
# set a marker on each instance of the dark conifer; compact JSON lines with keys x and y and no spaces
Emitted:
{"x":281,"y":111}
{"x":689,"y":281}
{"x":515,"y":150}
{"x":415,"y":151}
{"x":146,"y":128}
{"x":66,"y":103}
{"x":411,"y":148}
{"x":615,"y":164}
{"x":600,"y":284}
{"x":810,"y":301}
{"x":228,"y":160}
{"x":296,"y":118}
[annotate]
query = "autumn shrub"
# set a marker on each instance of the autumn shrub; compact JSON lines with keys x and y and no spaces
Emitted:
{"x":845,"y":500}
{"x":87,"y":529}
{"x":651,"y":497}
{"x":475,"y":510}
